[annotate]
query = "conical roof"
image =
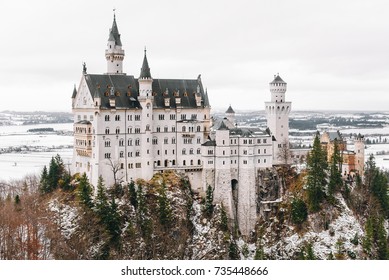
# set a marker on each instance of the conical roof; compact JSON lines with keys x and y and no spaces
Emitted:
{"x":145,"y":71}
{"x":114,"y":33}
{"x":277,"y":79}
{"x":230,"y":110}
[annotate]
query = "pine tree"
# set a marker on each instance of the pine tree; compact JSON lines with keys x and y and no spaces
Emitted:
{"x":165,"y":211}
{"x":85,"y":191}
{"x":44,"y":186}
{"x":132,"y":194}
{"x":113,"y":223}
{"x":316,"y":177}
{"x":299,"y":211}
{"x":142,"y":214}
{"x":101,"y":200}
{"x":335,"y":180}
{"x":223,"y":219}
{"x":233,"y":251}
{"x":209,"y":201}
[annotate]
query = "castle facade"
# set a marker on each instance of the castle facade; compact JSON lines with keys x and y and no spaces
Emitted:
{"x":126,"y":128}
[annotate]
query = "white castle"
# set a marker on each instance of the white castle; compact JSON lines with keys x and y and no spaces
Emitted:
{"x":127,"y":128}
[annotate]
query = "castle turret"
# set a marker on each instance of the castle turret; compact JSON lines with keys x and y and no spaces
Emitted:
{"x":146,"y":101}
{"x":230,"y":114}
{"x":277,"y":113}
{"x":359,"y":149}
{"x":114,"y":53}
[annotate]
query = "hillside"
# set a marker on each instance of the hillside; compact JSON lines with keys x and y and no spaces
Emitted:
{"x":164,"y":219}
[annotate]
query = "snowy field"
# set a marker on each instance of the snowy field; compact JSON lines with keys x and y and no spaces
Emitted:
{"x":16,"y":165}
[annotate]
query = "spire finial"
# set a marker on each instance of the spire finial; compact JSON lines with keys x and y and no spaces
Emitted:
{"x":145,"y":50}
{"x":114,"y":13}
{"x":84,"y":67}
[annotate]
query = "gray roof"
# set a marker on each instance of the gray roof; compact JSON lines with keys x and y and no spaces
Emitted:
{"x":209,"y":143}
{"x":114,"y":33}
{"x":230,"y":110}
{"x":222,"y":126}
{"x":145,"y":71}
{"x":335,"y":135}
{"x":277,"y":80}
{"x":126,"y":91}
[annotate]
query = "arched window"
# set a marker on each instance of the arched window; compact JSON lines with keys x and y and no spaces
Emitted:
{"x":198,"y":151}
{"x":198,"y":128}
{"x":184,"y":128}
{"x":184,"y":151}
{"x":137,"y":142}
{"x":191,"y":151}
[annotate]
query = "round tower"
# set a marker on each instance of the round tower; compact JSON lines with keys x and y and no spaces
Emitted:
{"x":359,"y":149}
{"x":277,"y":114}
{"x":114,"y":54}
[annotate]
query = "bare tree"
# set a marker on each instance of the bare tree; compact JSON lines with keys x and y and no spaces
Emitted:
{"x":284,"y":154}
{"x":115,"y":168}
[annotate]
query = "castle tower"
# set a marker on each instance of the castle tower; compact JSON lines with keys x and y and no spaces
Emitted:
{"x":114,"y":53}
{"x":223,"y":190}
{"x":277,"y":114}
{"x":230,"y":114}
{"x":146,"y":101}
{"x":359,"y":149}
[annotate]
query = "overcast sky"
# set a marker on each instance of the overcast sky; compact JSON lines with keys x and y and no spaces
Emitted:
{"x":333,"y":54}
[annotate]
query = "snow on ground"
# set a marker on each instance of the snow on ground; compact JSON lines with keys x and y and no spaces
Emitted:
{"x":343,"y":228}
{"x":66,"y":218}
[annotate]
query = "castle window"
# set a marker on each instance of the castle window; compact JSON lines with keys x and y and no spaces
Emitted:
{"x":130,"y":166}
{"x":250,"y":141}
{"x":245,"y":162}
{"x":117,"y":130}
{"x":173,"y":140}
{"x":264,"y":141}
{"x":137,"y":153}
{"x":107,"y":131}
{"x":148,"y":127}
{"x":264,"y":160}
{"x":259,"y":160}
{"x":224,"y":162}
{"x":224,"y":142}
{"x":224,"y":152}
{"x":161,"y":117}
{"x":172,"y":117}
{"x":184,"y":162}
{"x":191,"y":151}
{"x":173,"y":129}
{"x":184,"y":128}
{"x":259,"y":151}
{"x":121,"y":142}
{"x":183,"y":116}
{"x":210,"y":152}
{"x":191,"y":162}
{"x":137,"y":117}
{"x":129,"y":117}
{"x":198,"y":151}
{"x":129,"y":142}
{"x":138,"y":165}
{"x":158,"y":129}
{"x":165,"y":129}
{"x":264,"y":151}
{"x":137,"y":129}
{"x":155,"y":140}
{"x":106,"y":118}
{"x":245,"y":152}
{"x":107,"y":155}
{"x":166,"y":141}
{"x":129,"y":130}
{"x":173,"y":152}
{"x":258,"y":141}
{"x":245,"y":141}
{"x":117,"y":118}
{"x":184,"y":151}
{"x":165,"y":152}
{"x":173,"y":162}
{"x":137,"y":142}
{"x":121,"y":154}
{"x":198,"y":162}
{"x":129,"y":154}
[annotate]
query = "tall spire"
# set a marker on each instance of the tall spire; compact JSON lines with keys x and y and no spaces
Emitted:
{"x":114,"y":32}
{"x":145,"y":71}
{"x":114,"y":54}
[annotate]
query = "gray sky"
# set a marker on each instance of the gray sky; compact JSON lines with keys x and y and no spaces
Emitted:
{"x":333,"y":54}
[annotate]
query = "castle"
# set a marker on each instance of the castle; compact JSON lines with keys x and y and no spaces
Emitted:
{"x":127,"y":128}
